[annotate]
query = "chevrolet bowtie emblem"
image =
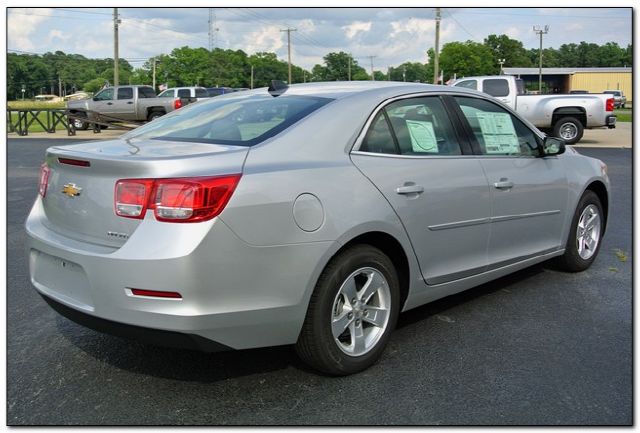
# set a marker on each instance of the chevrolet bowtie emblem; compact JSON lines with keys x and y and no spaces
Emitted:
{"x":71,"y":190}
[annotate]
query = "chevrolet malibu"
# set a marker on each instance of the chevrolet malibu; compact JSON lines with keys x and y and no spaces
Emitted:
{"x":309,"y":215}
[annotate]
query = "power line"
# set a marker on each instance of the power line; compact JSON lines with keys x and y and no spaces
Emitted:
{"x":461,"y":26}
{"x":82,"y":12}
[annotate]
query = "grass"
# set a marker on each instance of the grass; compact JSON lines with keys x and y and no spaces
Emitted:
{"x":33,"y":105}
{"x":623,"y":115}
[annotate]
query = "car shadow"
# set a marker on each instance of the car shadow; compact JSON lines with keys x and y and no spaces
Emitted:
{"x":194,"y":366}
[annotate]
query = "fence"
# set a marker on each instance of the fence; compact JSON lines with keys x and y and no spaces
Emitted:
{"x":20,"y":121}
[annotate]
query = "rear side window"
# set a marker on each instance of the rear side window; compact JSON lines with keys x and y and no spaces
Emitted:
{"x":215,"y":91}
{"x":238,"y":121}
{"x":468,"y":84}
{"x":184,"y":93}
{"x":125,"y":93}
{"x":201,"y":93}
{"x":146,"y":92}
{"x":417,"y":126}
{"x":496,"y":87}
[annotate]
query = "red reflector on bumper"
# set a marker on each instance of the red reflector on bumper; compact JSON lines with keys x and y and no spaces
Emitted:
{"x":156,"y":293}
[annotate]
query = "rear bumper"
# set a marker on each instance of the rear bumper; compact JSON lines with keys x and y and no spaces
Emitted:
{"x":234,"y":294}
{"x":176,"y":340}
{"x":611,"y":121}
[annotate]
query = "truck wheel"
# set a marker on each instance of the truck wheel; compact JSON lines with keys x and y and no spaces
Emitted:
{"x":154,"y":115}
{"x":81,"y":121}
{"x":569,"y":129}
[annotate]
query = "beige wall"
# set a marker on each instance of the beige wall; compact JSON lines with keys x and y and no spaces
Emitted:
{"x":597,"y":82}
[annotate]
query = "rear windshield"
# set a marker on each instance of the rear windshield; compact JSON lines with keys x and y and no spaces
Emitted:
{"x":244,"y":121}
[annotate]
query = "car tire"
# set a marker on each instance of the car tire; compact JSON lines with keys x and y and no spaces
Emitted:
{"x":368,"y":318}
{"x":154,"y":115}
{"x":569,"y":129}
{"x":80,"y":122}
{"x":585,"y":236}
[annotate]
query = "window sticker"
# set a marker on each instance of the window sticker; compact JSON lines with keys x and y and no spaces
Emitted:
{"x":498,"y":133}
{"x":423,"y":137}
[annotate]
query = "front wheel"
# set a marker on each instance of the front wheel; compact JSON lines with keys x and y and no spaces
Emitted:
{"x":569,"y":129}
{"x":80,"y":122}
{"x":352,"y":312}
{"x":585,"y":236}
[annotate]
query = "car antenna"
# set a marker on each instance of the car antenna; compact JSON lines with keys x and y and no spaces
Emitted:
{"x":277,"y":88}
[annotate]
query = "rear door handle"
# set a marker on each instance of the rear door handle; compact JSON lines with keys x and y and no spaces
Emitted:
{"x":410,"y":189}
{"x":130,"y":102}
{"x":503,"y":184}
{"x":109,"y":103}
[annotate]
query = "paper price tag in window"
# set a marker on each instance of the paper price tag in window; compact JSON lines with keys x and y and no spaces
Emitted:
{"x":498,"y":133}
{"x":423,"y":137}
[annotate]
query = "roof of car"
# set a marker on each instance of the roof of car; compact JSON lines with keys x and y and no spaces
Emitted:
{"x":341,"y":89}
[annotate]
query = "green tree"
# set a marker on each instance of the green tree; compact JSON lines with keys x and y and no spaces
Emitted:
{"x":336,"y":68}
{"x":511,"y":50}
{"x":465,"y":59}
{"x":410,"y":72}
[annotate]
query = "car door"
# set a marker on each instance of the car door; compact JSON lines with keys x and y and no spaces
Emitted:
{"x":528,"y":193}
{"x":103,"y":101}
{"x":412,"y":153}
{"x":124,"y":106}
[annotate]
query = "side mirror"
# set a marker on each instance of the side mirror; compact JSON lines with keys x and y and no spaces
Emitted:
{"x":553,"y":146}
{"x":95,"y":98}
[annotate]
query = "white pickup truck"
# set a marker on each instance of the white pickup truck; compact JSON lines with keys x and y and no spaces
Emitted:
{"x":564,"y":116}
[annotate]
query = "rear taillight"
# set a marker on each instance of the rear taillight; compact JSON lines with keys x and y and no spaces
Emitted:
{"x":191,"y":199}
{"x":610,"y":104}
{"x":44,"y":179}
{"x":132,"y":197}
{"x":177,"y":104}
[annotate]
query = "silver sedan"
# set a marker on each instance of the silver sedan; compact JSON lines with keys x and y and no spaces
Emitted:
{"x":310,"y":215}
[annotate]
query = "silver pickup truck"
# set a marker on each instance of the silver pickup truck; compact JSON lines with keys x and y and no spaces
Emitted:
{"x":564,"y":116}
{"x":138,"y":103}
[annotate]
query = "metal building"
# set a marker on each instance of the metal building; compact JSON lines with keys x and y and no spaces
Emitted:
{"x":563,"y":80}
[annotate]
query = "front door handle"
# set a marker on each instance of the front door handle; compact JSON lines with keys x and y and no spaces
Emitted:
{"x":504,"y":183}
{"x":410,"y":189}
{"x":130,"y":102}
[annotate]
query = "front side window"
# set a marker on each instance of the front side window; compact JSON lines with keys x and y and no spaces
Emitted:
{"x":125,"y":93}
{"x":496,"y":131}
{"x":105,"y":95}
{"x":468,"y":84}
{"x":496,"y":87}
{"x":244,"y":121}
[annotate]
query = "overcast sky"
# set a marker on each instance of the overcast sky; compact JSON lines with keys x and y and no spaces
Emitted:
{"x":394,"y":35}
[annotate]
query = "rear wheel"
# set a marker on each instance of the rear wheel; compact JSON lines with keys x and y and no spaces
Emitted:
{"x":352,"y":312}
{"x":154,"y":115}
{"x":569,"y":129}
{"x":586,"y":232}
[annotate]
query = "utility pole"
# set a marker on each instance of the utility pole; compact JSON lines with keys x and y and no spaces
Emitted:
{"x":436,"y":60}
{"x":501,"y":61}
{"x":371,"y":60}
{"x":154,"y":73}
{"x":388,"y":73}
{"x":59,"y":86}
{"x":252,"y":76}
{"x":212,"y":29}
{"x":349,"y":68}
{"x":289,"y":30}
{"x":540,"y":31}
{"x":116,"y":21}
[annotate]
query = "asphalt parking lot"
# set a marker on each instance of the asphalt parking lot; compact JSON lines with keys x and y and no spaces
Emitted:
{"x":537,"y":347}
